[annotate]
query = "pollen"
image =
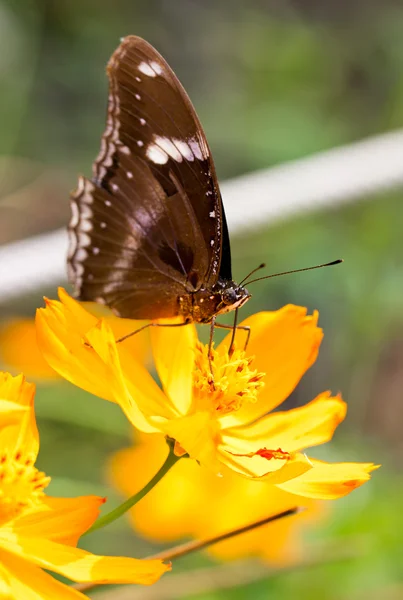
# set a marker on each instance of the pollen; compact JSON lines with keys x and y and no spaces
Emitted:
{"x":224,"y":383}
{"x":21,"y":485}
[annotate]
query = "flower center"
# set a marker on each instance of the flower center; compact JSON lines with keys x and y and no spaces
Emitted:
{"x":228,"y":383}
{"x":21,"y":485}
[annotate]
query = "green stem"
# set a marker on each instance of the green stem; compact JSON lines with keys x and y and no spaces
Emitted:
{"x":125,"y":506}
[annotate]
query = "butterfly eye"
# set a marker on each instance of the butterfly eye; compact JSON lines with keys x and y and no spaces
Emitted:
{"x":229,"y":296}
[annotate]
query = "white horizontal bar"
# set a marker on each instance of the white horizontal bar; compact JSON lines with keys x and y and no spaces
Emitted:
{"x":327,"y":179}
{"x":32,"y":264}
{"x":331,"y":178}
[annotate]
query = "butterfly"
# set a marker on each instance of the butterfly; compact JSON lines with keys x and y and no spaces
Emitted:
{"x":148,"y":235}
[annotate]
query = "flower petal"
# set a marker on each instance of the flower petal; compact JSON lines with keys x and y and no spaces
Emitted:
{"x":79,"y":565}
{"x":273,"y":471}
{"x":10,"y":413}
{"x":20,"y":352}
{"x":27,"y":582}
{"x":292,"y":430}
{"x":144,"y":393}
{"x":6,"y":592}
{"x":138,"y":345}
{"x":61,"y":520}
{"x":23,"y":436}
{"x":63,"y":327}
{"x":285,"y":344}
{"x":196,"y":433}
{"x":329,"y":481}
{"x":174,"y":357}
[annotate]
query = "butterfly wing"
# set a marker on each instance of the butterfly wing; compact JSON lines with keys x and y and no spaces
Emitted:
{"x":148,"y":227}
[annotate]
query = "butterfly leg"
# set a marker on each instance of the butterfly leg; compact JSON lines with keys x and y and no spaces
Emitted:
{"x":128,"y":335}
{"x":234,"y":329}
{"x":210,"y":345}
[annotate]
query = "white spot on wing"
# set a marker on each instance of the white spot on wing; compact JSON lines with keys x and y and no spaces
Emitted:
{"x":95,"y":250}
{"x":140,"y":143}
{"x":110,"y":139}
{"x":212,"y":214}
{"x":147,"y":69}
{"x":169,"y":147}
{"x":108,"y":203}
{"x":211,"y":243}
{"x":156,"y":155}
{"x":79,"y":272}
{"x":142,"y":121}
{"x":81,"y":255}
{"x":184,"y":149}
{"x":196,"y":149}
{"x":83,"y":239}
{"x":86,"y":226}
{"x":102,"y":225}
{"x":86,"y":211}
{"x":156,"y":67}
{"x":129,"y":175}
{"x":137,"y":96}
{"x":75,"y":215}
{"x":72,"y":243}
{"x":148,"y":218}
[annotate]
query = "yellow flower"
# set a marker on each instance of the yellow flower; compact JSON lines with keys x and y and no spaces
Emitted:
{"x":41,"y":532}
{"x":204,"y":506}
{"x":221,"y":419}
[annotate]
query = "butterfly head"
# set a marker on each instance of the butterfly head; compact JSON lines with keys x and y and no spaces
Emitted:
{"x":232,"y":296}
{"x":224,"y":297}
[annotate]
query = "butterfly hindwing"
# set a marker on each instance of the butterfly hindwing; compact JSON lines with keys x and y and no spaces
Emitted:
{"x":149,"y":225}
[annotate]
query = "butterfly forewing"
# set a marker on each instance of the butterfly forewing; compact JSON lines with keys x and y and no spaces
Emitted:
{"x":148,"y":227}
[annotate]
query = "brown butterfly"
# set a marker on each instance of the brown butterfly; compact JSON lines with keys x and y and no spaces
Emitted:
{"x":148,"y":235}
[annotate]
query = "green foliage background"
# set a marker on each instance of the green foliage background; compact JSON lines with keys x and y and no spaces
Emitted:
{"x":272,"y":81}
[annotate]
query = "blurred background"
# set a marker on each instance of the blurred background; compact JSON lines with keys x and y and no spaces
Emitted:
{"x":271,"y":81}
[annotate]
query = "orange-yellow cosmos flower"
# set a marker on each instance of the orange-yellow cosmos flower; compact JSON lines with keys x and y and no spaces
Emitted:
{"x":41,"y":532}
{"x":233,"y":502}
{"x":221,"y":419}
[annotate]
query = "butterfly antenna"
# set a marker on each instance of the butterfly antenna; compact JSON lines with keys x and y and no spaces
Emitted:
{"x":330,"y":264}
{"x":261,"y":266}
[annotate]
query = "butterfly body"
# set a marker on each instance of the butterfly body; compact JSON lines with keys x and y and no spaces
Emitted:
{"x":148,"y":235}
{"x":223,"y":297}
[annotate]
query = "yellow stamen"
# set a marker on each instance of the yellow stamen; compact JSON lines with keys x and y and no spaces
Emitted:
{"x":21,"y":485}
{"x":231,"y":382}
